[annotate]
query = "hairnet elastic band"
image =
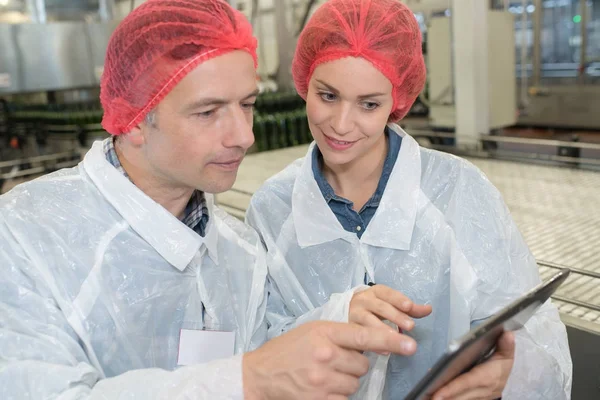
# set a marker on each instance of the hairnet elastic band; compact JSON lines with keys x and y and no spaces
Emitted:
{"x":158,"y":95}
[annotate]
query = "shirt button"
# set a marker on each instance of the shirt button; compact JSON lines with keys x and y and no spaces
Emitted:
{"x":358,"y":228}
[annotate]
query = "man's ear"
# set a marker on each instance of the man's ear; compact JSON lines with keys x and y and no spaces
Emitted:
{"x":137,"y":136}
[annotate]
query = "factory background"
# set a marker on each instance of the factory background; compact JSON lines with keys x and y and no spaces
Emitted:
{"x":513,"y":86}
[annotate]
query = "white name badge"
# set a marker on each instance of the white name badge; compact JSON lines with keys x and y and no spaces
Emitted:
{"x":197,"y":347}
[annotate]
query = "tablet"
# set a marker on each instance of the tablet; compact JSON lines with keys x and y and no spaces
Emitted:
{"x":478,"y":344}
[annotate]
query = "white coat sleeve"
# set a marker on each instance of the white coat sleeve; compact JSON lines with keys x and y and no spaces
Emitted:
{"x":506,"y":269}
{"x":281,"y":319}
{"x":41,"y":357}
{"x":279,"y":316}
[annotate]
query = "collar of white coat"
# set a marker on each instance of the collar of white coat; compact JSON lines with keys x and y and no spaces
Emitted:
{"x":171,"y":238}
{"x":393,"y":223}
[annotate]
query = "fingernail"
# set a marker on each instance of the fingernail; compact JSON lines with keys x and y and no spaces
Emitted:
{"x":409,"y":346}
{"x":408,"y":325}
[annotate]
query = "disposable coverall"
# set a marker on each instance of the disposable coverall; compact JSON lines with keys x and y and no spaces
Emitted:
{"x":97,"y":280}
{"x":441,"y":235}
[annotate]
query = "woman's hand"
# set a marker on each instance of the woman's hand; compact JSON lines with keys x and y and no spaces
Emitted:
{"x":487,"y":380}
{"x":371,"y":306}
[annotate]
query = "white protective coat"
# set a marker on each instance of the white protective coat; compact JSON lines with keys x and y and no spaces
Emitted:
{"x":97,"y":280}
{"x":442,"y":235}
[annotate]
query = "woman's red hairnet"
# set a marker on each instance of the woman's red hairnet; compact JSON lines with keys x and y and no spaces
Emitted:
{"x":384,"y":32}
{"x":156,"y":46}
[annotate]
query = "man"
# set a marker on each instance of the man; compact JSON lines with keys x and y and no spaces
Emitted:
{"x":112,"y":272}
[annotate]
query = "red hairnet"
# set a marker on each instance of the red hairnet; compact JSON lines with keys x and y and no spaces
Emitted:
{"x":384,"y":32}
{"x":156,"y":46}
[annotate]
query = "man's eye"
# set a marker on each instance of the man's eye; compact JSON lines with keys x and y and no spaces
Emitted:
{"x":205,"y":114}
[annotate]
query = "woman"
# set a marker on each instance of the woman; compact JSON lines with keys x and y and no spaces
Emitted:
{"x":368,"y":205}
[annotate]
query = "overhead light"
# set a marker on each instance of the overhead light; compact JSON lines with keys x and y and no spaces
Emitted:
{"x":3,"y":3}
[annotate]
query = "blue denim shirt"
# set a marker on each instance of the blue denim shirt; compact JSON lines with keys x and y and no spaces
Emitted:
{"x":351,"y":220}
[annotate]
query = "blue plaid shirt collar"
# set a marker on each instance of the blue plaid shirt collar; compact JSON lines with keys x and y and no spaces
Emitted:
{"x":196,"y":211}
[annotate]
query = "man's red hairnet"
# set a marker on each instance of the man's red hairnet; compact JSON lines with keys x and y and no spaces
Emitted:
{"x":156,"y":46}
{"x":384,"y":32}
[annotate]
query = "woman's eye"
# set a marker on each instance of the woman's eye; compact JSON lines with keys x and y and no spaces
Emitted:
{"x":328,"y":97}
{"x":369,"y":105}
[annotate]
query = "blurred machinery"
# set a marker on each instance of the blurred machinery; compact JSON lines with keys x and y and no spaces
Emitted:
{"x":50,"y":69}
{"x":555,"y":54}
{"x":560,"y":64}
{"x":501,"y":72}
{"x":52,"y":56}
{"x":542,"y":63}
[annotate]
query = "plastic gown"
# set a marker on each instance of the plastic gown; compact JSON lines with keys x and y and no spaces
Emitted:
{"x":442,"y":235}
{"x":97,"y":280}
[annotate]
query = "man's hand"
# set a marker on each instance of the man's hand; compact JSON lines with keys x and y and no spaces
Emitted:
{"x":318,"y":360}
{"x":369,"y":307}
{"x":485,"y":381}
